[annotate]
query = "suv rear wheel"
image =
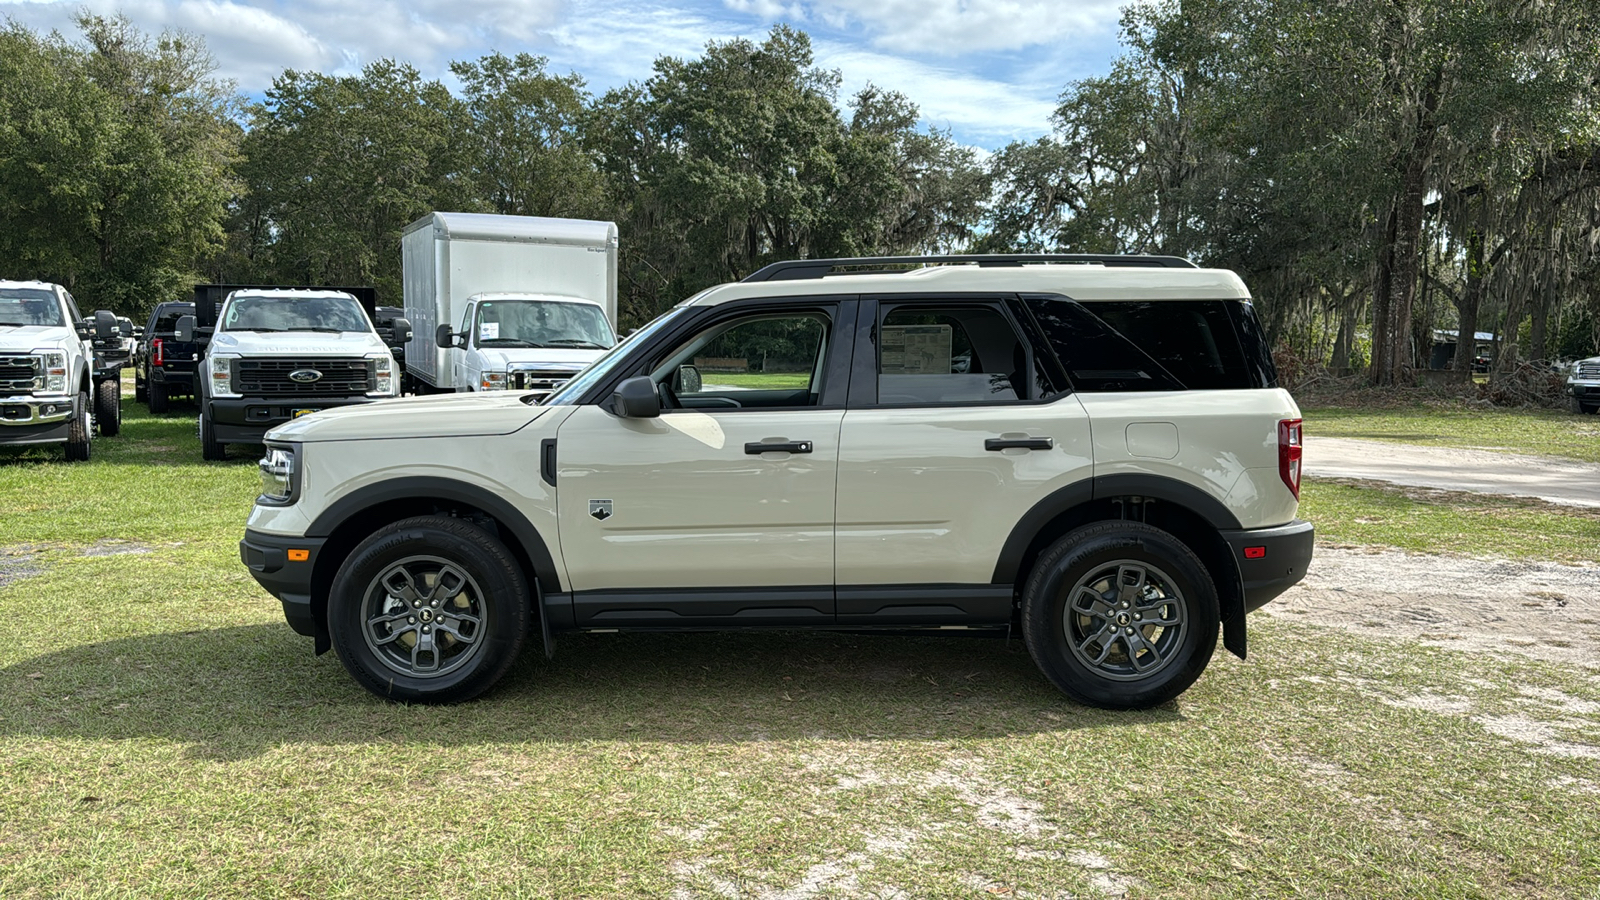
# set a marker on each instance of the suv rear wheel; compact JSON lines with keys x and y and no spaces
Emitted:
{"x":1120,"y":615}
{"x":429,"y":610}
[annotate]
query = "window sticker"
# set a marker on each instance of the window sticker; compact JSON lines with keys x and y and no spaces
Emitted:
{"x":915,"y":349}
{"x":488,"y":331}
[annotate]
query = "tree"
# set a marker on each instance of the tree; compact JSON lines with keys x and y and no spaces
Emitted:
{"x":115,"y":160}
{"x":336,"y":167}
{"x":526,"y":126}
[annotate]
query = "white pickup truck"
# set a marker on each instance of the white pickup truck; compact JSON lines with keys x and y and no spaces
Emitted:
{"x":47,"y":368}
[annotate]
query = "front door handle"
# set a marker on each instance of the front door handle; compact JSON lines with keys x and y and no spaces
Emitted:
{"x":1028,"y":443}
{"x":755,"y":448}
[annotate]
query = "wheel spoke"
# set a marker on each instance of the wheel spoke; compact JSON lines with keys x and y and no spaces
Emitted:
{"x":452,"y":627}
{"x":399,"y":584}
{"x":1090,"y":603}
{"x":1131,"y":581}
{"x":1107,"y":636}
{"x":425,"y":644}
{"x":378,"y":640}
{"x":1136,"y":644}
{"x":1154,"y":614}
{"x":448,"y":583}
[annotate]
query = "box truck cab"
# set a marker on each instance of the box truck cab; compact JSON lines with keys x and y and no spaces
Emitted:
{"x":507,"y":302}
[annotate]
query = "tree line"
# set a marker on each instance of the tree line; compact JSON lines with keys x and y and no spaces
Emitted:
{"x":1374,"y":169}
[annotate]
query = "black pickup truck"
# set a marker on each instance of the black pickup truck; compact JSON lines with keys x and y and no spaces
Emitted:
{"x":165,"y":364}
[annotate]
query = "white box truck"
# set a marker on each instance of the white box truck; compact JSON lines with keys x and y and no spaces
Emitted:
{"x":507,"y":302}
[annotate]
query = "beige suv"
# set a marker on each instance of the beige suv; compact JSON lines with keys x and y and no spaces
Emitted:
{"x":1091,"y":450}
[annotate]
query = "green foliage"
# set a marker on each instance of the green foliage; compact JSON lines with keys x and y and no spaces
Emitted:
{"x":336,"y":167}
{"x":526,"y":132}
{"x":116,"y":161}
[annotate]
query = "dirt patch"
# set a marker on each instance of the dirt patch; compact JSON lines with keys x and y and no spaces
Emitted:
{"x":1544,"y":610}
{"x":17,"y":563}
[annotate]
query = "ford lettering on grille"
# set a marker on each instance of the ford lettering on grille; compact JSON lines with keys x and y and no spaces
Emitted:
{"x":305,"y":376}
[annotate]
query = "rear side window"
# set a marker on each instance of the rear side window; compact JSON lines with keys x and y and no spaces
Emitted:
{"x":1134,"y":345}
{"x":951,"y":354}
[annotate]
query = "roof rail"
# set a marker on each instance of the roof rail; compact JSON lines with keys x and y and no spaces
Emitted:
{"x":800,"y":269}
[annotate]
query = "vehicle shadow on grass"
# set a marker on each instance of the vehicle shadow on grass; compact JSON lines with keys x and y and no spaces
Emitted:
{"x":237,"y":692}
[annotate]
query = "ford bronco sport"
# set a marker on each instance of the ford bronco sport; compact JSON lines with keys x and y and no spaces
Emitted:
{"x":1090,"y":450}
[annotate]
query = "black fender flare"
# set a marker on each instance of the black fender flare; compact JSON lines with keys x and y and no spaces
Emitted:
{"x":1155,"y":487}
{"x":421,"y":487}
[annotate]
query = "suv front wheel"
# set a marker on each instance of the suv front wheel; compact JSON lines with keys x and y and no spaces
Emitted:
{"x":429,"y":610}
{"x":1120,"y":615}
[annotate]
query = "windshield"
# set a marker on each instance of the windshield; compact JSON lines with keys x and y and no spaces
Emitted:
{"x":30,"y":306}
{"x":580,"y":383}
{"x":331,"y":314}
{"x":542,"y":323}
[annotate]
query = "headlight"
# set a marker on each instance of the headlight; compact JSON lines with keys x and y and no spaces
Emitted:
{"x":383,"y":376}
{"x":277,"y":476}
{"x":54,"y":371}
{"x":493,"y":381}
{"x":221,"y":369}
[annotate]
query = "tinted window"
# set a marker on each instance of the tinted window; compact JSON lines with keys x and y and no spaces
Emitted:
{"x":950,"y":355}
{"x":1155,"y":345}
{"x":167,"y":319}
{"x":1193,"y":340}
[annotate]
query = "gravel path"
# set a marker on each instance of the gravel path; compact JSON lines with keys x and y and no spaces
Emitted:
{"x":1552,"y":480}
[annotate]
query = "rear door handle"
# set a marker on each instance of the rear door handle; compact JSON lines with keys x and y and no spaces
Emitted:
{"x":1030,"y":443}
{"x":755,"y":448}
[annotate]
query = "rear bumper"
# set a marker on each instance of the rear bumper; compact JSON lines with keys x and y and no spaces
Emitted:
{"x":268,"y":559}
{"x":1271,"y":560}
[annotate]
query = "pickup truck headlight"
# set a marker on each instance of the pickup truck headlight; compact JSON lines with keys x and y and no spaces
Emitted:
{"x":277,"y":476}
{"x":221,"y":370}
{"x":54,"y":371}
{"x":492,"y":381}
{"x":382,"y":376}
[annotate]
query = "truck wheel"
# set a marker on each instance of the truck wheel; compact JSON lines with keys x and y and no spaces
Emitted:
{"x":211,"y":449}
{"x":108,"y":407}
{"x":429,"y":610}
{"x":1120,"y":615}
{"x":141,"y":389}
{"x":158,"y":397}
{"x":78,"y":430}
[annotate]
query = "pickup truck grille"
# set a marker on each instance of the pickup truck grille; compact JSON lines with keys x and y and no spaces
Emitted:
{"x":536,"y":381}
{"x":19,"y":374}
{"x":270,"y":377}
{"x":1589,"y":370}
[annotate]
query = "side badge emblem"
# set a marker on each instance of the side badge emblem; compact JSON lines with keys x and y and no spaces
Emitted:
{"x":600,"y":509}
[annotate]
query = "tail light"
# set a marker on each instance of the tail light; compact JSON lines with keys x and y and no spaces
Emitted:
{"x":157,"y":355}
{"x":1289,"y":450}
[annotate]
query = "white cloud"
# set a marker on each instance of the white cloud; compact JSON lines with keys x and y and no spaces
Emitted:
{"x":975,"y":108}
{"x":953,"y":27}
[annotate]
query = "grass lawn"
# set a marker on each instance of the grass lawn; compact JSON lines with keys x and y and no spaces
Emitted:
{"x":164,"y":734}
{"x":1542,"y":432}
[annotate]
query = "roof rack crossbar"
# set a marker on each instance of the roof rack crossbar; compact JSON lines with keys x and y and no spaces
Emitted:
{"x":801,"y":269}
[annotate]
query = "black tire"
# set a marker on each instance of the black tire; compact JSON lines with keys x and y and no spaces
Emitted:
{"x":211,"y":449}
{"x":141,"y":389}
{"x":389,"y":648}
{"x":108,"y":407}
{"x":78,"y":430}
{"x":158,"y":397}
{"x":1150,"y":637}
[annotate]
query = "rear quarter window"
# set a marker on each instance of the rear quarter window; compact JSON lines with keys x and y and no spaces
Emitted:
{"x":1131,"y":345}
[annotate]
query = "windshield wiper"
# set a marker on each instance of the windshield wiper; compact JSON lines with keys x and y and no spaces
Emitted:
{"x":320,"y":329}
{"x":14,"y":324}
{"x":262,"y":328}
{"x":507,"y":342}
{"x":575,"y":342}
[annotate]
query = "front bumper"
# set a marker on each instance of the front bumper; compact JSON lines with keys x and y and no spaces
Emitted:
{"x":1271,"y":560}
{"x":273,"y":560}
{"x":1584,"y":391}
{"x":26,"y":420}
{"x":246,"y":420}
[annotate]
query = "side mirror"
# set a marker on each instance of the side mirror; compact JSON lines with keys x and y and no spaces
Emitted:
{"x":444,"y":337}
{"x":106,"y":327}
{"x":184,"y":330}
{"x":636,"y":398}
{"x":402,"y":330}
{"x":687,"y":380}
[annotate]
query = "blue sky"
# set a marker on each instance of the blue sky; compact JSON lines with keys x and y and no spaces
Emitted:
{"x":988,"y":70}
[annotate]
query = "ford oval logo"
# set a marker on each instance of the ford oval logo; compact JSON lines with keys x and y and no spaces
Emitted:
{"x":305,"y":376}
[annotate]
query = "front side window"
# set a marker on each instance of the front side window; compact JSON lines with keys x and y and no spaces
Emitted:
{"x":765,"y":360}
{"x":30,"y":306}
{"x":330,"y":314}
{"x":542,"y":323}
{"x":957,"y":354}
